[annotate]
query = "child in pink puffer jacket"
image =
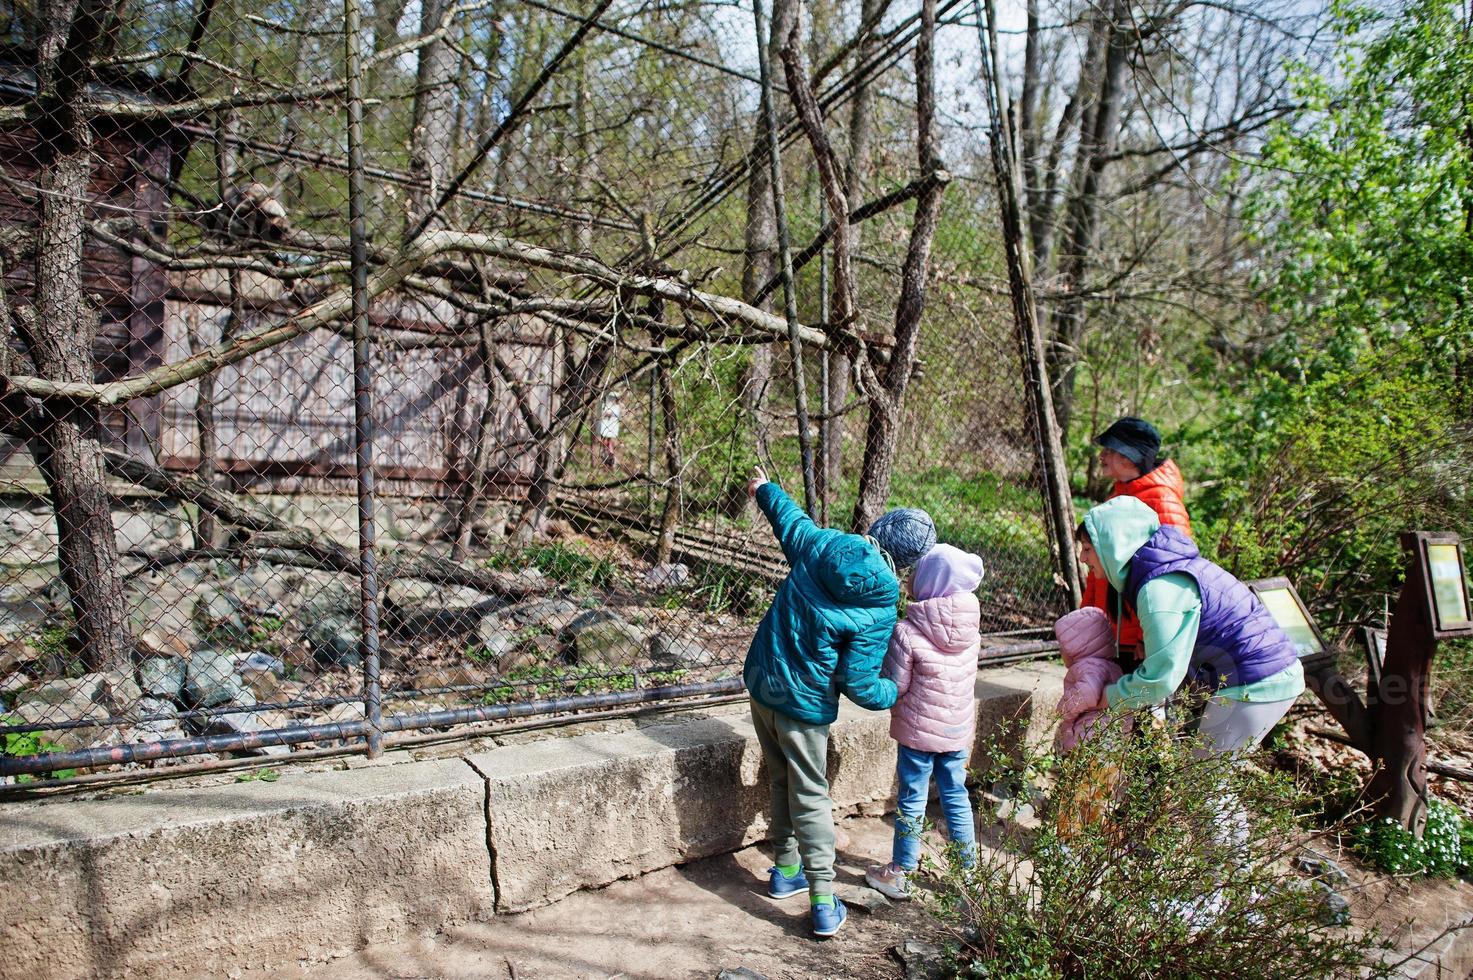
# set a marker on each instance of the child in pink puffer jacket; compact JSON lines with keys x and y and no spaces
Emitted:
{"x":933,"y":661}
{"x":1087,"y":643}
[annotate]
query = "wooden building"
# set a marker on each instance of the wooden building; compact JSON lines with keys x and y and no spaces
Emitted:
{"x":284,"y":418}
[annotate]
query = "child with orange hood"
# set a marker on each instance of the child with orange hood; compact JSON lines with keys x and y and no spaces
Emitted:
{"x":1128,"y":455}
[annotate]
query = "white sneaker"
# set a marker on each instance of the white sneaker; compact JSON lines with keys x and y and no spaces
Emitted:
{"x":890,"y":881}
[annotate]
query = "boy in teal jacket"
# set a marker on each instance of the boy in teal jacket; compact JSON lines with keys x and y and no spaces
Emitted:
{"x":826,"y":632}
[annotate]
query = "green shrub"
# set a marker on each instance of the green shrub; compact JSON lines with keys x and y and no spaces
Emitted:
{"x":567,"y":564}
{"x":1147,"y":861}
{"x":1442,"y":852}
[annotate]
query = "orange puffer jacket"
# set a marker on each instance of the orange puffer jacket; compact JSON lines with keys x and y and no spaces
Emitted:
{"x":1162,"y":489}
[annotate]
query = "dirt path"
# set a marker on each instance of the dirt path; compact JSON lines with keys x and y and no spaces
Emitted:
{"x":683,"y":922}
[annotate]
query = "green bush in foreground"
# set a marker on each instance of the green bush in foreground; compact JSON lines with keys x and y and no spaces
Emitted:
{"x":1148,"y":861}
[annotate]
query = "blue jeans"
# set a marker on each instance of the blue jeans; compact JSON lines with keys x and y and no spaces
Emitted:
{"x":914,"y":769}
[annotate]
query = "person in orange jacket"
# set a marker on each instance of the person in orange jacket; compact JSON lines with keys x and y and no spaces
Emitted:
{"x":1128,"y":455}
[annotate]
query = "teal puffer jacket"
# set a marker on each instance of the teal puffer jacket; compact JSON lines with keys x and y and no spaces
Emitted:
{"x":830,"y":624}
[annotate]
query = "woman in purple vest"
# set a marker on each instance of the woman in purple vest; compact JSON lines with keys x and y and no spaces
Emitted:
{"x":1198,"y":621}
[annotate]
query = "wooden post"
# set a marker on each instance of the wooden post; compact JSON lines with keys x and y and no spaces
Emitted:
{"x":1398,"y":703}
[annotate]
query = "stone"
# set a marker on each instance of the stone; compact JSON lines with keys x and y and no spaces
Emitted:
{"x":221,"y":617}
{"x":600,"y":638}
{"x":740,"y":973}
{"x":162,"y":677}
{"x":495,"y":638}
{"x":922,"y":960}
{"x":1333,"y":908}
{"x":866,"y":900}
{"x":669,"y":575}
{"x":333,"y":640}
{"x":677,"y":651}
{"x":1318,"y":865}
{"x":553,"y":615}
{"x":210,"y":680}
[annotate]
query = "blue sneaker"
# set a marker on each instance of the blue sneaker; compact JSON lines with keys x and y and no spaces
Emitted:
{"x":828,"y":918}
{"x":780,"y":885}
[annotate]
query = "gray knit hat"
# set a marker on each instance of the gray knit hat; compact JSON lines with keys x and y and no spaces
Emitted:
{"x":905,"y":533}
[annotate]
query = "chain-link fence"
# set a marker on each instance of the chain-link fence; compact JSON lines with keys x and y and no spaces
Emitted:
{"x":376,"y":371}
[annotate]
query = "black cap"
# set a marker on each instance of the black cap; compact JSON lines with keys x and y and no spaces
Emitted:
{"x":1135,"y":439}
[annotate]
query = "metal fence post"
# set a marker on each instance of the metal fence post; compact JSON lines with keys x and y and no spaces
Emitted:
{"x":363,"y":428}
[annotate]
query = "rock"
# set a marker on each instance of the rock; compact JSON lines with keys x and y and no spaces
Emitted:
{"x":1317,"y":865}
{"x":15,"y":682}
{"x":451,"y":677}
{"x":210,"y":681}
{"x":221,"y":617}
{"x":553,"y":615}
{"x":333,"y":640}
{"x":98,"y":695}
{"x":866,"y":900}
{"x":677,"y":651}
{"x":495,"y":639}
{"x":599,"y":638}
{"x":162,"y":677}
{"x":922,"y":961}
{"x":669,"y":575}
{"x":1333,"y":908}
{"x":740,"y":973}
{"x":261,"y":672}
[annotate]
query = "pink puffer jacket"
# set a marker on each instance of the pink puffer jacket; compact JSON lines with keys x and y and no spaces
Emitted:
{"x":1087,"y":643}
{"x":933,"y":662}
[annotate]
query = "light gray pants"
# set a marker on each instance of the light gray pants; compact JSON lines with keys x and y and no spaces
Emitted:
{"x":1236,"y":726}
{"x":1229,"y":728}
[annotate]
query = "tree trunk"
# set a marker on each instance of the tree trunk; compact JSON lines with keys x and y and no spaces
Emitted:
{"x":760,"y":252}
{"x":856,"y":176}
{"x":1083,"y":216}
{"x":885,"y":406}
{"x":206,"y":534}
{"x":432,"y":139}
{"x":68,"y":443}
{"x":472,"y":490}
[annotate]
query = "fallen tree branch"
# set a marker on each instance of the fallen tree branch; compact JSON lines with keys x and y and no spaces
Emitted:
{"x":282,"y":536}
{"x":337,"y":305}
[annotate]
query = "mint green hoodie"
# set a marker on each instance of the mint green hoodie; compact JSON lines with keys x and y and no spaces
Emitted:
{"x":1170,"y":611}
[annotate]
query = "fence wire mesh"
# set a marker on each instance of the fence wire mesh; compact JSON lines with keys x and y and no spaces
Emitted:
{"x":562,"y":203}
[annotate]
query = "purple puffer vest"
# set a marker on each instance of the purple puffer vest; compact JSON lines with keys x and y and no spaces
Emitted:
{"x":1238,"y":641}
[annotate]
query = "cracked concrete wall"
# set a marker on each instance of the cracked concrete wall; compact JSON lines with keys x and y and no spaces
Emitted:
{"x":200,"y":882}
{"x":206,"y":880}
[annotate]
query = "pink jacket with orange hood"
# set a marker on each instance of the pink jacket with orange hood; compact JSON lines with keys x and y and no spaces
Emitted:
{"x":933,"y":654}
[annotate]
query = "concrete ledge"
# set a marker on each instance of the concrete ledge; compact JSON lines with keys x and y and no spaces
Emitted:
{"x":210,"y":880}
{"x":199,"y":882}
{"x":572,"y":813}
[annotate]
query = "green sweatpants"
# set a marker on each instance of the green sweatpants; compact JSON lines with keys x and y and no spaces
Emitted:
{"x":802,"y":815}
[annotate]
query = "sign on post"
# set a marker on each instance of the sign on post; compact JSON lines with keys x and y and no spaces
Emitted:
{"x":1446,"y":578}
{"x":1282,"y":601}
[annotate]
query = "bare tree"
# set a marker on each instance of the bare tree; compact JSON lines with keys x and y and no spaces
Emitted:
{"x":60,"y":329}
